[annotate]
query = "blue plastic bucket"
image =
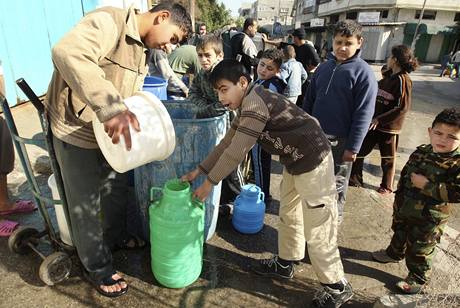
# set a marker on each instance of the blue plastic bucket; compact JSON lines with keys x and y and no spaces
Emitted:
{"x":157,"y":86}
{"x":195,"y":139}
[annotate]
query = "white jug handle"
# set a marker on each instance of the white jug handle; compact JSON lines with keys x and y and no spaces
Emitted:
{"x":262,"y":196}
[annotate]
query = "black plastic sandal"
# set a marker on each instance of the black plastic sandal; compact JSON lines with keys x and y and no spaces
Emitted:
{"x":107,"y":282}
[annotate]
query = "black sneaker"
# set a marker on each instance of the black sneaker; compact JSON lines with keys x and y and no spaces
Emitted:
{"x":331,"y":298}
{"x":272,"y":268}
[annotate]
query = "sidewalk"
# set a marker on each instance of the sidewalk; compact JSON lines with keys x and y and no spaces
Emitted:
{"x":225,"y":280}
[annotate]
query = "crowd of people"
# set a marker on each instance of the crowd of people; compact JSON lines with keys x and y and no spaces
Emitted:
{"x":320,"y":117}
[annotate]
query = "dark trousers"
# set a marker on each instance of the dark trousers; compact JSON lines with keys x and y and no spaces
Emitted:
{"x":97,"y":197}
{"x":388,"y":144}
{"x":300,"y":98}
{"x":6,"y":149}
{"x":231,"y":186}
{"x":262,"y":163}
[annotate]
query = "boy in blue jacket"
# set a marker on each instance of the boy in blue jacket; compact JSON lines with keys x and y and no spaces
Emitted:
{"x":267,"y":73}
{"x":342,"y":97}
{"x":293,"y":73}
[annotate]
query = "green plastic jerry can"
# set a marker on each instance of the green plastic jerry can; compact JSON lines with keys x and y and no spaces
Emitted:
{"x":176,"y":234}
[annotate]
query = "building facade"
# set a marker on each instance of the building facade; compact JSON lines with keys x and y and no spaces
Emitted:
{"x":268,"y":12}
{"x":245,"y":10}
{"x":386,"y":23}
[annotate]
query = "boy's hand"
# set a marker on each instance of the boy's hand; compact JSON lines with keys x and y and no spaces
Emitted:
{"x":119,"y":126}
{"x":418,"y":180}
{"x":203,"y":191}
{"x":348,"y":156}
{"x":311,"y":68}
{"x":189,"y":177}
{"x":374,"y":124}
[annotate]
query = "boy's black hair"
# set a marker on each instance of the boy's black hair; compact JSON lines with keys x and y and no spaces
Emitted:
{"x":248,"y":22}
{"x":273,"y":54}
{"x":289,"y":52}
{"x":449,"y":116}
{"x":179,"y":16}
{"x":348,"y":28}
{"x":210,"y":41}
{"x":299,"y":33}
{"x":228,"y":69}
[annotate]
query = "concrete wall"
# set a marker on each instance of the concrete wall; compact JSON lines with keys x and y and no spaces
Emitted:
{"x":442,"y":17}
{"x":268,"y":11}
{"x":435,"y":48}
{"x":447,"y":5}
{"x":335,"y":6}
{"x":376,"y":43}
{"x":396,"y":38}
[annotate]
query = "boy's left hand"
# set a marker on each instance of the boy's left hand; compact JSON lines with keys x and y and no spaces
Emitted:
{"x":349,"y":156}
{"x":203,"y":191}
{"x":418,"y":180}
{"x":374,"y":124}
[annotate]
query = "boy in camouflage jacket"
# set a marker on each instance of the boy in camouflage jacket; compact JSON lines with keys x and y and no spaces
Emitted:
{"x":429,"y":182}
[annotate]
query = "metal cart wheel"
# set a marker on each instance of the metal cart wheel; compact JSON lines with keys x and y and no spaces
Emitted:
{"x":20,"y":239}
{"x":55,"y":268}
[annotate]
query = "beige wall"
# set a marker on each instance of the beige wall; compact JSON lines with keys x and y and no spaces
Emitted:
{"x":442,"y":17}
{"x":434,"y":48}
{"x":446,"y":5}
{"x":336,"y":6}
{"x":267,"y":11}
{"x":339,"y":5}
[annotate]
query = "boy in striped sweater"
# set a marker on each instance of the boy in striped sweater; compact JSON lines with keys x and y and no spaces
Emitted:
{"x":308,"y":206}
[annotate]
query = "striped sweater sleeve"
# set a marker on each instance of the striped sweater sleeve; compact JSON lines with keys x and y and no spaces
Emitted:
{"x":239,"y":140}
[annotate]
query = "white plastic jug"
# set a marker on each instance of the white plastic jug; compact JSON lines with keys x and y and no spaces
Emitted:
{"x":62,"y":222}
{"x":155,"y":141}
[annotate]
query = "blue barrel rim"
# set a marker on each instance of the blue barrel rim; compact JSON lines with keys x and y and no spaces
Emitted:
{"x":213,"y":119}
{"x":163,"y":82}
{"x":184,"y":102}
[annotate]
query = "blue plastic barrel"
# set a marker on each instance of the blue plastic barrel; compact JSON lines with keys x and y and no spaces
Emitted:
{"x":195,"y":139}
{"x":157,"y":86}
